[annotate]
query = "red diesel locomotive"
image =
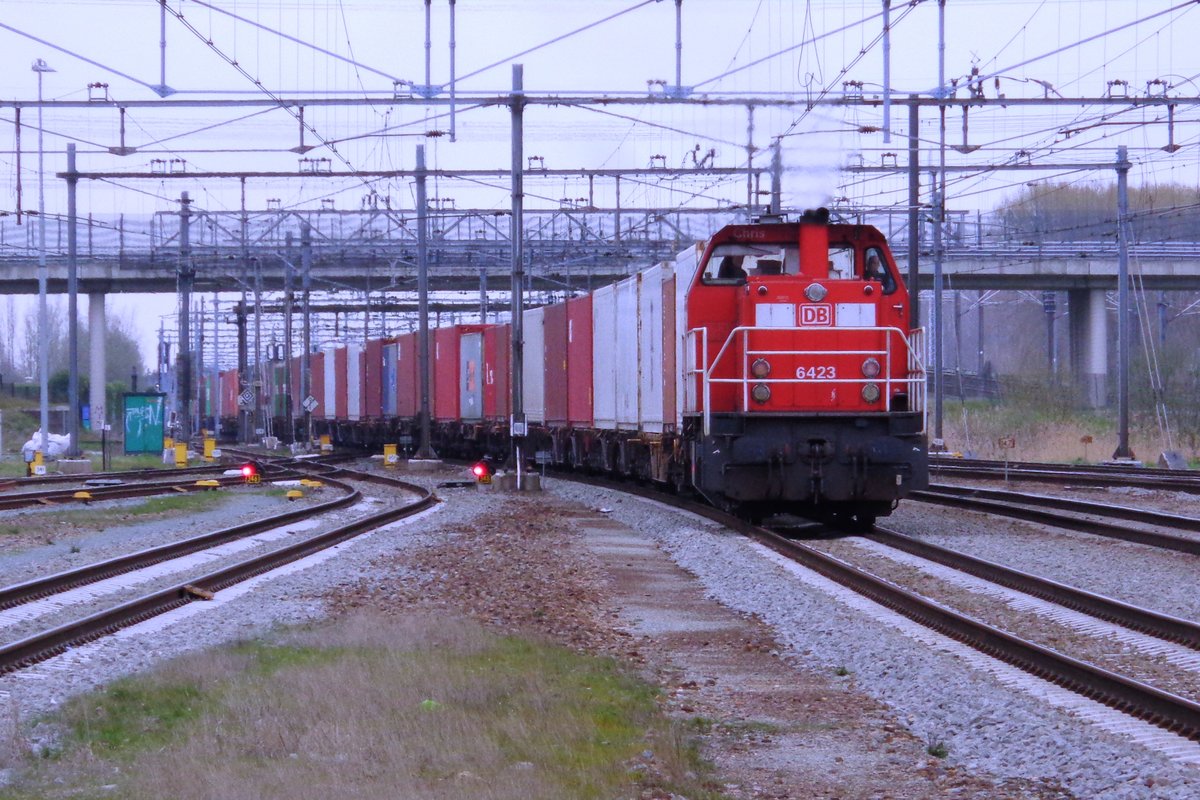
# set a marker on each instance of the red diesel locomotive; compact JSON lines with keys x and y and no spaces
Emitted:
{"x":805,"y":380}
{"x":772,"y":371}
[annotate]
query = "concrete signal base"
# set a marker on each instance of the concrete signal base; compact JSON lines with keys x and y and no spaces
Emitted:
{"x":424,"y":464}
{"x":530,"y":482}
{"x":74,"y":466}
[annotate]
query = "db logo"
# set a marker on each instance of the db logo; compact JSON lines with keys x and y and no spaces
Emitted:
{"x":816,"y":314}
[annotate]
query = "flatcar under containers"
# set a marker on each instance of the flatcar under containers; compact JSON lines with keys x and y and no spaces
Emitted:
{"x":804,"y":384}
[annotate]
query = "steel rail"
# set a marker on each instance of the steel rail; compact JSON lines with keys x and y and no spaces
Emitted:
{"x":50,"y":497}
{"x":1162,"y":480}
{"x":1163,"y":709}
{"x":1166,"y":710}
{"x":36,"y":588}
{"x":1010,"y":508}
{"x":22,"y":653}
{"x":1107,"y":474}
{"x":1147,"y":516}
{"x":1154,"y":623}
{"x":128,"y":474}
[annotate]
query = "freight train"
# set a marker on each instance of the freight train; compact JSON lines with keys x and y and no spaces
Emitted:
{"x":772,"y":370}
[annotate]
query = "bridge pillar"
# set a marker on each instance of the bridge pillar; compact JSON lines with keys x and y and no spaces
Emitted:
{"x":1089,"y":344}
{"x":97,"y":359}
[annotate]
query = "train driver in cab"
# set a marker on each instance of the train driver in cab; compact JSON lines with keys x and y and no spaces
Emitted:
{"x":874,"y":270}
{"x":731,"y":268}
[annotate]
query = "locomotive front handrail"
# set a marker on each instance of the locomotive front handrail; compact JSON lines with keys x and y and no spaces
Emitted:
{"x":912,"y":341}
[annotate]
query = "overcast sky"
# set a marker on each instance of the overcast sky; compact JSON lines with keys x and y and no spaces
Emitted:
{"x":357,"y":48}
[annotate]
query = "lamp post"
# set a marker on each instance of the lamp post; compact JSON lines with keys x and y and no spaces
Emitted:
{"x":41,"y":67}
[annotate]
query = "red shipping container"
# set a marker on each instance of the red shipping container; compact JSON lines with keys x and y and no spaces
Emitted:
{"x":579,"y":361}
{"x":340,"y":392}
{"x":317,"y":384}
{"x":445,"y":373}
{"x":497,"y":394}
{"x":554,"y":328}
{"x":446,"y":400}
{"x":372,"y":396}
{"x":408,"y":383}
{"x":229,"y":393}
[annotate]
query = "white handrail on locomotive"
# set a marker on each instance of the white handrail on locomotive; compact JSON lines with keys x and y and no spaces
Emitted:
{"x":915,"y":379}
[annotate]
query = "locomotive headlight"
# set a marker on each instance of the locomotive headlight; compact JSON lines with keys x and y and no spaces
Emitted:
{"x":870,"y":392}
{"x":815,"y":292}
{"x":870,"y":368}
{"x":761,"y":393}
{"x":761,"y":368}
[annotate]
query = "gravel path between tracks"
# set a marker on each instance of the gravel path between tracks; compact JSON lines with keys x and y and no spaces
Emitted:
{"x":799,"y":695}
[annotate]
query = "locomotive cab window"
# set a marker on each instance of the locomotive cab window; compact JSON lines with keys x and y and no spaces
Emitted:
{"x":731,"y":264}
{"x":841,"y":263}
{"x":875,"y":268}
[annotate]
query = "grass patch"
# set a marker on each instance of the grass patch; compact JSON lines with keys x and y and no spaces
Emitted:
{"x":424,"y":707}
{"x":937,"y":748}
{"x":174,"y":503}
{"x":1043,"y":431}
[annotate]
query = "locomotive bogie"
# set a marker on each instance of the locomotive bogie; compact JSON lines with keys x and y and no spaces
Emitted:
{"x":799,"y":465}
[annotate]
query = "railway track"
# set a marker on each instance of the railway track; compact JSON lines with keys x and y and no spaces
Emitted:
{"x":129,"y":474}
{"x":1173,"y":713}
{"x":1072,"y":474}
{"x":26,"y":591}
{"x":45,"y":644}
{"x":89,"y":494}
{"x":1076,"y":515}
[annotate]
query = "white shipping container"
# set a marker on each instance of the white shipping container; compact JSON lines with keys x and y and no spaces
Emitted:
{"x":604,"y":352}
{"x":354,"y":381}
{"x":650,"y":350}
{"x":329,"y":402}
{"x":686,"y":265}
{"x":627,"y":364}
{"x":534,"y":367}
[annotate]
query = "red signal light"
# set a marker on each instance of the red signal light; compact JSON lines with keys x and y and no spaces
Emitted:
{"x":483,"y":471}
{"x":251,"y":473}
